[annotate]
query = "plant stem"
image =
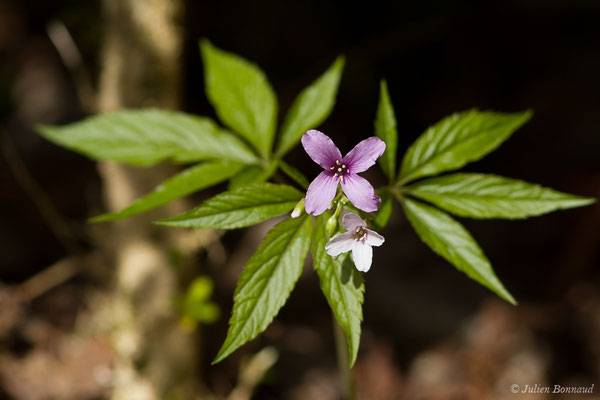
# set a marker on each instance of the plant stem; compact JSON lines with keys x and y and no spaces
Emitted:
{"x":341,"y":350}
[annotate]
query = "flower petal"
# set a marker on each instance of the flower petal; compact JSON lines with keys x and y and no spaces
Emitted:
{"x":362,"y":255}
{"x":351,"y":221}
{"x":364,"y":155}
{"x":320,"y":193}
{"x":320,"y":148}
{"x":340,"y":244}
{"x":360,"y":193}
{"x":373,"y":238}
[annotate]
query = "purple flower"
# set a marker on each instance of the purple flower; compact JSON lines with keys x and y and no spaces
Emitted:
{"x":357,"y":238}
{"x":343,"y":170}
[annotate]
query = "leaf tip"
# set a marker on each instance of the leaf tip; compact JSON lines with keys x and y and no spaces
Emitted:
{"x":526,"y":115}
{"x":352,"y":360}
{"x":165,"y":222}
{"x":46,"y":131}
{"x":384,"y":94}
{"x":101,"y":218}
{"x":498,"y":288}
{"x":383,"y":85}
{"x":508,"y":297}
{"x":42,"y":127}
{"x":586,"y":201}
{"x":219,"y":357}
{"x":225,"y":351}
{"x":204,"y":44}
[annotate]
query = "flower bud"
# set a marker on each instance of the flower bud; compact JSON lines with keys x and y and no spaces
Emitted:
{"x":331,"y":225}
{"x":299,"y":209}
{"x":332,"y":222}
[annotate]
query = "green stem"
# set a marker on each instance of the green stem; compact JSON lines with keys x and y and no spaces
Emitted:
{"x":404,"y":180}
{"x":399,"y":192}
{"x":341,"y":350}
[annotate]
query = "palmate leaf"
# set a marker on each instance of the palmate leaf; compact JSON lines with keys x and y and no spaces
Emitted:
{"x":490,"y":196}
{"x":342,"y":286}
{"x":385,"y":129}
{"x":241,"y":95}
{"x":146,"y":137}
{"x":451,"y":240}
{"x":457,"y":140}
{"x":312,"y":106}
{"x":188,"y":181}
{"x":266,"y":281}
{"x":239,"y":208}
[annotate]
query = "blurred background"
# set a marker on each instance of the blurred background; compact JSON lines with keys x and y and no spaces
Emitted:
{"x":93,"y":311}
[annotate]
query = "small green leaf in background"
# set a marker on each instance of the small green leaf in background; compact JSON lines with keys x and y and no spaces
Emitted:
{"x":146,"y":137}
{"x":312,"y":106}
{"x":294,"y":174}
{"x":342,"y":286}
{"x":239,"y":208}
{"x":385,"y":129}
{"x":196,"y":306}
{"x":188,"y":181}
{"x":267,"y":281}
{"x":384,"y":211}
{"x":253,"y":174}
{"x":490,"y":196}
{"x":451,"y":240}
{"x":241,"y":95}
{"x":457,"y":140}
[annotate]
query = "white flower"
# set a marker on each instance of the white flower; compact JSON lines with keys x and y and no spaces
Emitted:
{"x":357,"y":238}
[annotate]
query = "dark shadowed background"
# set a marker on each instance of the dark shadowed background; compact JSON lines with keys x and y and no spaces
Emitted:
{"x":429,"y":332}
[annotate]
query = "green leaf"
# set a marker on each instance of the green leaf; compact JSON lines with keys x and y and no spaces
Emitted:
{"x":253,"y":174}
{"x":239,"y":208}
{"x":294,"y":174}
{"x":457,"y":140}
{"x":191,"y":180}
{"x":206,"y":313}
{"x":146,"y":137}
{"x":384,"y":211}
{"x":342,"y":286}
{"x":490,"y":196}
{"x":451,"y":240}
{"x":200,"y":289}
{"x":266,"y":282}
{"x":312,"y":106}
{"x":385,"y":129}
{"x":241,"y":95}
{"x":196,"y":304}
